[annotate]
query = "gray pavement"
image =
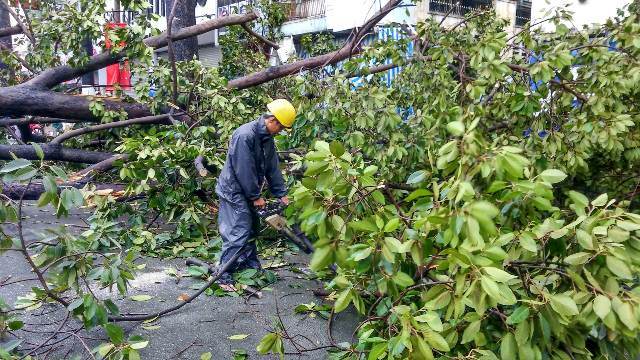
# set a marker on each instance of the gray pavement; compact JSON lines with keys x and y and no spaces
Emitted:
{"x":203,"y":326}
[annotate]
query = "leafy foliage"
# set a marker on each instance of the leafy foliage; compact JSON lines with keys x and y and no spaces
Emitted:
{"x":483,"y":205}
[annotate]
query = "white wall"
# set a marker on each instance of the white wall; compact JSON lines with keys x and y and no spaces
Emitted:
{"x":585,"y":13}
{"x":347,"y":14}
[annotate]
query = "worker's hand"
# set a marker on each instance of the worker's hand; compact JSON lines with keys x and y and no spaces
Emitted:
{"x":285,"y":200}
{"x":259,"y":203}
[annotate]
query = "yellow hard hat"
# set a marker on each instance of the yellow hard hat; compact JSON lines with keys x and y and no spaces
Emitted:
{"x":283,"y":111}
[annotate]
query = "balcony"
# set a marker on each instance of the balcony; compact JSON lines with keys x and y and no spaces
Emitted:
{"x":304,"y":9}
{"x":459,"y":8}
{"x":523,"y":12}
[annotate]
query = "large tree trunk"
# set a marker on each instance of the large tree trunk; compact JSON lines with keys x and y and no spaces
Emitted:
{"x":24,"y":100}
{"x":16,"y":191}
{"x":185,"y":16}
{"x":53,"y":152}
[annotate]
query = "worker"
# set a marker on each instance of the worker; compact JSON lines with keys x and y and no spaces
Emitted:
{"x":251,"y":159}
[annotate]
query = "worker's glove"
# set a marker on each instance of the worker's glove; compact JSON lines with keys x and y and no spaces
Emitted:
{"x":259,"y":203}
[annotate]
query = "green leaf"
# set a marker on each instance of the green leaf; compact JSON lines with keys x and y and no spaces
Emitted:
{"x":553,"y":176}
{"x":141,"y":298}
{"x":322,"y":257}
{"x":336,"y":148}
{"x":238,"y":337}
{"x":579,"y":199}
{"x":628,"y":225}
{"x":563,"y":305}
{"x":15,"y":324}
{"x":508,"y":347}
{"x":577,"y":258}
{"x":432,"y":319}
{"x":361,"y":254}
{"x":377,"y":351}
{"x":417,"y":177}
{"x":206,"y":356}
{"x":483,"y":209}
{"x":139,"y":344}
{"x":600,"y":200}
{"x":343,"y":300}
{"x":584,"y":239}
{"x":15,"y":165}
{"x":601,"y":306}
{"x":618,"y":267}
{"x":115,"y":333}
{"x":528,"y":243}
{"x":456,"y":128}
{"x":38,"y":151}
{"x":266,"y":344}
{"x":519,"y":315}
{"x":417,"y":194}
{"x":402,"y":279}
{"x":366,"y":225}
{"x":625,"y":313}
{"x":498,"y":274}
{"x":44,"y":199}
{"x":423,"y":348}
{"x":491,"y":288}
{"x":436,"y":341}
{"x":392,"y":225}
{"x":133,"y":355}
{"x":471,"y":331}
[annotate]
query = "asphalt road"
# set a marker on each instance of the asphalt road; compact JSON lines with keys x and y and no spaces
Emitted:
{"x":203,"y":326}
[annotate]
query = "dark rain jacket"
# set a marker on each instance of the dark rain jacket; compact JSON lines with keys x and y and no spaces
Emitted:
{"x":251,"y":158}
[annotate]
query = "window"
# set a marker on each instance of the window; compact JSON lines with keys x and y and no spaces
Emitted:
{"x":523,"y":12}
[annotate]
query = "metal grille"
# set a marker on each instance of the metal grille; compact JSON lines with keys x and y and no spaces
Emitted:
{"x":523,"y":12}
{"x":125,"y":16}
{"x":301,"y":9}
{"x":456,"y":7}
{"x":157,"y":7}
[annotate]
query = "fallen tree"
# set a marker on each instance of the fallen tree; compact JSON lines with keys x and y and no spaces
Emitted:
{"x":468,"y":211}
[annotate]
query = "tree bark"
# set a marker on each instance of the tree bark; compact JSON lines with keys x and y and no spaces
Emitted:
{"x":25,"y":100}
{"x":54,"y":153}
{"x":15,"y":190}
{"x":54,"y":76}
{"x":350,"y":48}
{"x":185,"y":16}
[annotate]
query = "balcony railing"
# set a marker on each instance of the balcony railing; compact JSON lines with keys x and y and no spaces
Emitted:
{"x":459,"y":8}
{"x":125,"y":16}
{"x":302,"y":9}
{"x":523,"y":12}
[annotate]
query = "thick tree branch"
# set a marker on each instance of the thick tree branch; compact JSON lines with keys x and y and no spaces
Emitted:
{"x":15,"y":190}
{"x":156,"y":119}
{"x":276,"y":72}
{"x":23,"y":100}
{"x":249,"y":30}
{"x":53,"y":152}
{"x":566,"y":87}
{"x":171,"y":52}
{"x":102,"y":166}
{"x":37,"y":120}
{"x":54,"y":76}
{"x":8,"y":31}
{"x":17,"y":18}
{"x":22,"y":61}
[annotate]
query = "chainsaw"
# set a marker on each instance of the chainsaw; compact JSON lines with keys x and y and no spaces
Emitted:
{"x":272,"y":215}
